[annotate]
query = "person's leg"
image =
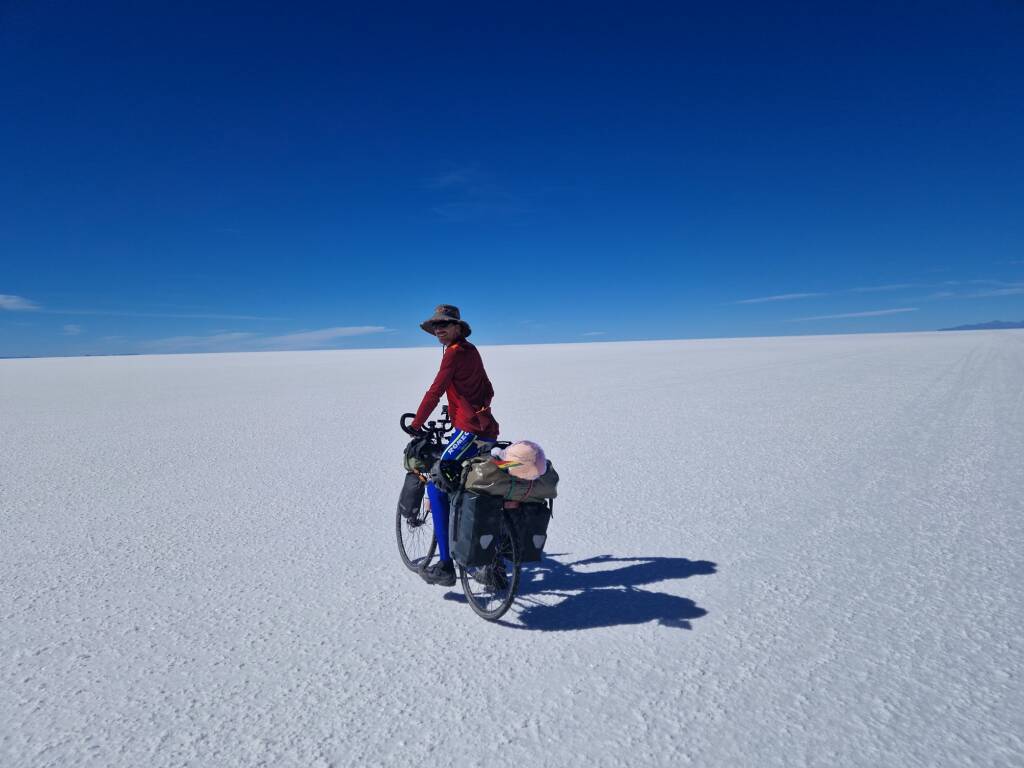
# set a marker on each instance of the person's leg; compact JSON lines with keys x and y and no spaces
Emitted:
{"x":439,"y":511}
{"x":460,"y":447}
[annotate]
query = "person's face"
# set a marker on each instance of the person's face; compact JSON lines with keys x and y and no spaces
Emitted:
{"x":448,"y":333}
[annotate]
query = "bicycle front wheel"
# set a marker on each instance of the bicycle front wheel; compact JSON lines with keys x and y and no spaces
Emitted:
{"x":416,"y":541}
{"x":491,"y":589}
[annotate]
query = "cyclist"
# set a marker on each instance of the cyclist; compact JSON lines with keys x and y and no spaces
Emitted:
{"x":463,"y":379}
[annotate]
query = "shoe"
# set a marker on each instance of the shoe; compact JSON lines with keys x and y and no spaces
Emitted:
{"x":492,"y":577}
{"x":441,"y":573}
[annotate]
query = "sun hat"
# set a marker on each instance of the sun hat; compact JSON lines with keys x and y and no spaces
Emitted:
{"x":445,"y":313}
{"x":523,"y":459}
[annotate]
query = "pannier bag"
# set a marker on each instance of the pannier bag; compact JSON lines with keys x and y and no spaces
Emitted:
{"x":419,"y":455}
{"x":531,"y":524}
{"x":412,"y":496}
{"x":483,"y":475}
{"x":475,"y":526}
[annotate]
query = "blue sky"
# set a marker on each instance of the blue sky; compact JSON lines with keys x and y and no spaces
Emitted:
{"x":261,"y":176}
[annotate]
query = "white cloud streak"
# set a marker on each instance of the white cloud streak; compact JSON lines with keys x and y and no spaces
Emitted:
{"x":72,"y":330}
{"x":459,"y":177}
{"x":780,"y":297}
{"x":871,"y":313}
{"x":240,"y":341}
{"x":890,"y":287}
{"x":177,"y":343}
{"x":999,"y":288}
{"x":21,"y":304}
{"x":306,"y":339}
{"x":1011,"y":290}
{"x":17,"y":303}
{"x":164,"y":315}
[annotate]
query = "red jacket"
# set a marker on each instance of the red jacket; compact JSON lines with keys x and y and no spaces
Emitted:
{"x":463,"y":378}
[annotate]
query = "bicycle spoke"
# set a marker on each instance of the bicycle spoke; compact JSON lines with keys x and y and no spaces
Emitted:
{"x":416,"y":543}
{"x":491,"y":599}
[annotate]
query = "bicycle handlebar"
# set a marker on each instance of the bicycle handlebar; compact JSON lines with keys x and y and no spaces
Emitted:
{"x":433,"y":428}
{"x":403,"y":422}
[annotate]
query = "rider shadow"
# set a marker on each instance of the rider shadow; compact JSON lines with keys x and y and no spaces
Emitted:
{"x":557,"y":596}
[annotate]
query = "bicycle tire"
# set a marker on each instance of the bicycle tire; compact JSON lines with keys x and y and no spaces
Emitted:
{"x":413,"y":546}
{"x":491,"y":602}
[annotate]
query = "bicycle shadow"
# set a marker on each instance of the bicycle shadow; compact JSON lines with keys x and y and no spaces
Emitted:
{"x":558,"y":596}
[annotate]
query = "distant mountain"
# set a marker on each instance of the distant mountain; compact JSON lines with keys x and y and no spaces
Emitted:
{"x":994,"y":325}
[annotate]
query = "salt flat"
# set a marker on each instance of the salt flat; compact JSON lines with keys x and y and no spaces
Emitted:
{"x":766,"y":552}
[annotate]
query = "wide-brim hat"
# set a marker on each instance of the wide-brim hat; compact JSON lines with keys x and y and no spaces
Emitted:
{"x":445,"y":313}
{"x":523,"y":459}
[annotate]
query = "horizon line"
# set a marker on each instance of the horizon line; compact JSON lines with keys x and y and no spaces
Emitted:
{"x":517,"y":344}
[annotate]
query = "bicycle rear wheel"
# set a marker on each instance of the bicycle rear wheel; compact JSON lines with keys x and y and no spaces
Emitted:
{"x":416,"y":541}
{"x":491,"y":589}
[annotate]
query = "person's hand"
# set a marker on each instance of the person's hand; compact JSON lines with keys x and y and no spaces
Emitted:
{"x":413,"y":427}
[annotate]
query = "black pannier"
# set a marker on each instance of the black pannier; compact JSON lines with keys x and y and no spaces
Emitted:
{"x":531,"y":524}
{"x":475,"y":526}
{"x":412,"y":496}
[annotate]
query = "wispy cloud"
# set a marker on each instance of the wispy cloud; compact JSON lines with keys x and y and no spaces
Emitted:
{"x":306,"y":339}
{"x":72,"y":330}
{"x":996,"y":288}
{"x":471,"y":194}
{"x":595,"y":333}
{"x":17,"y":303}
{"x":239,"y":341}
{"x":889,"y":287}
{"x":458,"y":177}
{"x":470,"y":211}
{"x":870,"y":313}
{"x":1010,"y":290}
{"x":779,"y":297}
{"x":201,"y":343}
{"x":164,"y":315}
{"x":21,"y":304}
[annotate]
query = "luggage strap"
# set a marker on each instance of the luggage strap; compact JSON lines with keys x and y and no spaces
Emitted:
{"x":508,"y":496}
{"x":511,"y":487}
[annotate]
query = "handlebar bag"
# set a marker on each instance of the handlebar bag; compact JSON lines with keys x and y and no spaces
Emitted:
{"x":419,"y":455}
{"x":411,"y":497}
{"x":474,"y":528}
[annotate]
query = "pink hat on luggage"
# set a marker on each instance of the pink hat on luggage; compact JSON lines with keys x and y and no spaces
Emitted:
{"x":523,"y":459}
